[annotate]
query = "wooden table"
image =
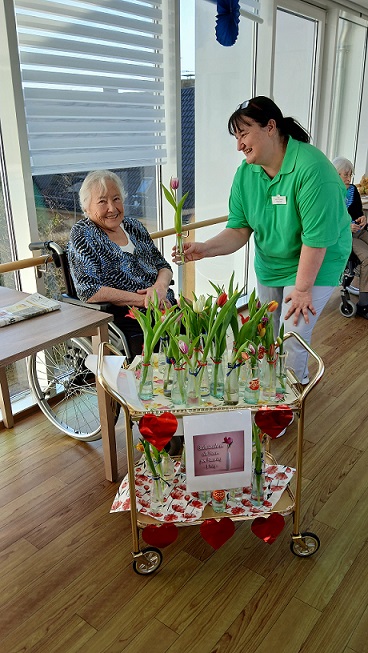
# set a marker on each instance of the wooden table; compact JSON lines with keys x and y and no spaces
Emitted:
{"x":29,"y":336}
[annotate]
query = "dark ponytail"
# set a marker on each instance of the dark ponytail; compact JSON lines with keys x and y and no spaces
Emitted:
{"x":262,"y":109}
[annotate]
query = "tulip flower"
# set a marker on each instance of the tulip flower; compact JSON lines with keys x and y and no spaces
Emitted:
{"x":199,"y":304}
{"x":221,"y":299}
{"x":272,"y":306}
{"x":244,"y":319}
{"x":183,"y":347}
{"x":174,"y":183}
{"x":228,"y":440}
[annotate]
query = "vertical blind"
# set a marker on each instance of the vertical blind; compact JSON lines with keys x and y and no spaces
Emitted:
{"x":92,"y":75}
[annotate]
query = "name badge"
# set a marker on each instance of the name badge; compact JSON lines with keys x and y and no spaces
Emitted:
{"x":278,"y":199}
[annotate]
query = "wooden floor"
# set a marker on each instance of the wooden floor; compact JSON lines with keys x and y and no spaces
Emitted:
{"x":67,"y":584}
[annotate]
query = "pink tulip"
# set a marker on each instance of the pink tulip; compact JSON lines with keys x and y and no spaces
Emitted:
{"x":174,"y":183}
{"x":228,"y":441}
{"x":183,"y":347}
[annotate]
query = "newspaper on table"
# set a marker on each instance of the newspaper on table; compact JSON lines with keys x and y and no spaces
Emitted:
{"x":26,"y":308}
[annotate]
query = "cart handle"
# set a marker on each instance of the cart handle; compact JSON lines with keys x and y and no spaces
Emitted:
{"x":304,"y":391}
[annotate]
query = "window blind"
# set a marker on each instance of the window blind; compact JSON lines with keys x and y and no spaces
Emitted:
{"x":92,"y":75}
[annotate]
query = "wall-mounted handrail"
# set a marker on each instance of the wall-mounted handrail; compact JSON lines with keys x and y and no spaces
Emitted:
{"x":24,"y":263}
{"x":40,"y":260}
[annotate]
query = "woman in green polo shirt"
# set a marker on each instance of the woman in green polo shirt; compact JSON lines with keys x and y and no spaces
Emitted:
{"x":289,"y":195}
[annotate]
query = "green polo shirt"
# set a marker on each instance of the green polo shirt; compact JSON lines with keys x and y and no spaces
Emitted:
{"x":304,"y":203}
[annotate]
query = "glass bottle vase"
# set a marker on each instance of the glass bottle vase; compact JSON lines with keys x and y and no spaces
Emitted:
{"x":281,"y":374}
{"x":269,"y":379}
{"x":194,"y":387}
{"x":179,"y":386}
{"x":217,"y":381}
{"x":231,"y":386}
{"x":180,"y":249}
{"x":146,"y":382}
{"x":252,"y":383}
{"x":258,"y":474}
{"x":156,"y":495}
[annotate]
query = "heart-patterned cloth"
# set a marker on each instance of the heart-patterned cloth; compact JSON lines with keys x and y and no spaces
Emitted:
{"x":268,"y":529}
{"x":158,"y":430}
{"x":273,"y":420}
{"x":216,"y":533}
{"x":160,"y":536}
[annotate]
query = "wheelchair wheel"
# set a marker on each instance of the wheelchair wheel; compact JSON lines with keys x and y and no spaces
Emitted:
{"x":65,"y":389}
{"x":348,"y":308}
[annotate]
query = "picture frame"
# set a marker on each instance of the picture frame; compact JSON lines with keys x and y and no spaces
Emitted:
{"x":218,"y":450}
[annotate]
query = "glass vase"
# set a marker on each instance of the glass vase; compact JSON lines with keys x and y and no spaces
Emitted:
{"x":217,"y":381}
{"x":204,"y":381}
{"x":269,"y":379}
{"x":168,"y":377}
{"x":146,"y":382}
{"x":179,"y":386}
{"x":281,"y":373}
{"x":156,"y":495}
{"x":194,"y":397}
{"x":218,"y":500}
{"x":167,"y":466}
{"x":258,"y":472}
{"x":162,"y":355}
{"x":231,"y":385}
{"x":180,"y":249}
{"x":252,"y":384}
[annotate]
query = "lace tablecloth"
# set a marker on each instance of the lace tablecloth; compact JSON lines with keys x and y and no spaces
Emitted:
{"x":182,"y":506}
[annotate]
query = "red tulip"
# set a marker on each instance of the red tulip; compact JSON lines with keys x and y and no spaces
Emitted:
{"x":221,"y":299}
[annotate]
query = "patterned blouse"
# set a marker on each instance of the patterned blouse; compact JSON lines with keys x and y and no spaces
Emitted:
{"x":96,"y":261}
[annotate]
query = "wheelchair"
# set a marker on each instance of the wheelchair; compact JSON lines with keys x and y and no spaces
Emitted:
{"x":63,"y":387}
{"x":347,"y":307}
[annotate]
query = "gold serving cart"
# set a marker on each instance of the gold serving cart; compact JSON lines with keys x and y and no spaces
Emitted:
{"x":303,"y":544}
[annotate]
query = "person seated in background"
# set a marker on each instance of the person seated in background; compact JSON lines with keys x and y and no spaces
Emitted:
{"x":112,"y":257}
{"x":358,"y":227}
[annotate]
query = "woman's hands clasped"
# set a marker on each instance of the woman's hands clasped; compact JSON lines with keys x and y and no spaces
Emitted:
{"x":359,"y":224}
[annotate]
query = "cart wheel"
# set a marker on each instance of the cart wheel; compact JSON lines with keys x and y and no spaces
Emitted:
{"x":149,"y":563}
{"x":306,"y":546}
{"x":348,"y":308}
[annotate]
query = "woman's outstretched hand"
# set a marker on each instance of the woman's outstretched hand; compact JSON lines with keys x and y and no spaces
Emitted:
{"x":192,"y":252}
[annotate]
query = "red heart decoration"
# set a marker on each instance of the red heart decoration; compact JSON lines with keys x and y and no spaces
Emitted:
{"x":273,"y":420}
{"x":268,"y":529}
{"x":216,"y":533}
{"x":160,"y":536}
{"x":158,"y":430}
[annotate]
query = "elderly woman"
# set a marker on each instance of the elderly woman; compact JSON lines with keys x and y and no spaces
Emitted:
{"x":353,"y":201}
{"x":113,"y":259}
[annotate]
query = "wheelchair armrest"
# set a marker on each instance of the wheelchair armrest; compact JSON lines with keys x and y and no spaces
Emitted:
{"x":106,"y":307}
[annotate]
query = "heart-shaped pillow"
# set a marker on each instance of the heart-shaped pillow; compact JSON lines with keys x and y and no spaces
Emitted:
{"x":158,"y":430}
{"x":160,"y":536}
{"x":268,"y":529}
{"x":216,"y":533}
{"x":273,"y":420}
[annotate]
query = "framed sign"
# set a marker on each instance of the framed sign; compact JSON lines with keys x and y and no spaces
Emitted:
{"x":218,"y":450}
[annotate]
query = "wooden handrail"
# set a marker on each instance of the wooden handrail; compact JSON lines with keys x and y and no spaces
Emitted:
{"x":40,"y":260}
{"x":188,"y":227}
{"x":25,"y":263}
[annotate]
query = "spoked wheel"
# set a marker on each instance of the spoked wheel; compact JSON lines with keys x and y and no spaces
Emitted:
{"x":65,"y":388}
{"x":348,"y":308}
{"x":305,"y":546}
{"x":148,"y":563}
